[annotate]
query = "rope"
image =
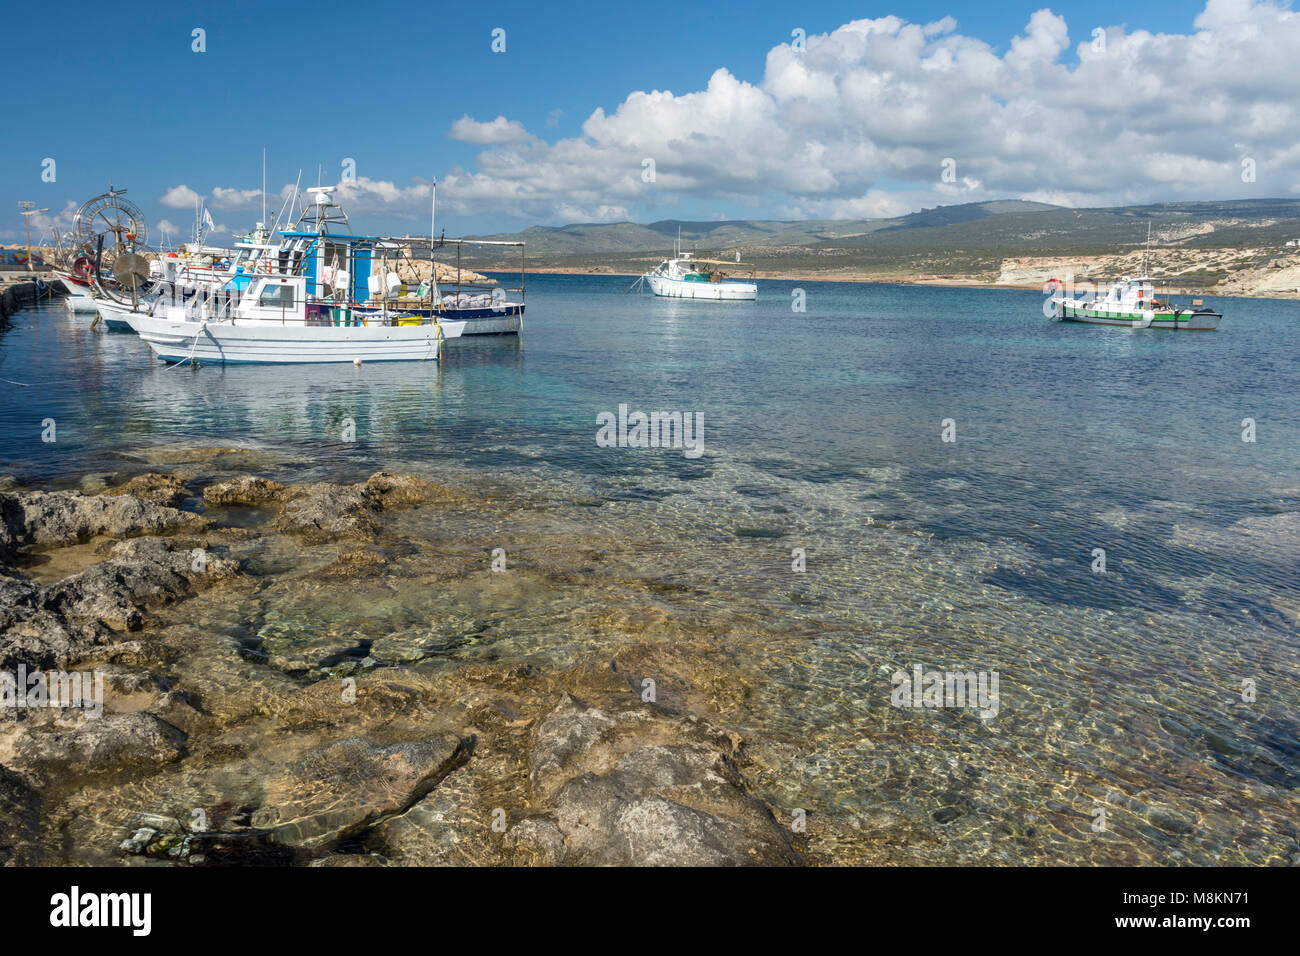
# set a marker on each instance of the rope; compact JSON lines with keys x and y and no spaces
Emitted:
{"x":203,"y":327}
{"x":438,"y":326}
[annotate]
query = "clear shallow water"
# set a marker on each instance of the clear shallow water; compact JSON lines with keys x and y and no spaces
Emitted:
{"x":822,"y":432}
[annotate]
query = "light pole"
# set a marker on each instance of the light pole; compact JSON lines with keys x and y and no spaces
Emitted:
{"x":27,"y":212}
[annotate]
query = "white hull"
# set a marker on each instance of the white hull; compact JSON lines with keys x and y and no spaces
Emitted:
{"x":113,"y":316}
{"x":79,"y":298}
{"x":682,"y":289}
{"x":290,"y":344}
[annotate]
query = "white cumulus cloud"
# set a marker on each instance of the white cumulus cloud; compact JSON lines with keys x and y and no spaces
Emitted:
{"x":180,"y":197}
{"x":866,"y":120}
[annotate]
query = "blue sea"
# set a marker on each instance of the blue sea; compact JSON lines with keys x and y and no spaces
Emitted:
{"x":1108,"y":519}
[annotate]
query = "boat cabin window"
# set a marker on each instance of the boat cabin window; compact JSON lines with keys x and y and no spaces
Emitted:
{"x":277,"y":295}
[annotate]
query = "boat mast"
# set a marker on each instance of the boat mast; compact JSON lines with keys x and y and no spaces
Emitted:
{"x":433,"y":231}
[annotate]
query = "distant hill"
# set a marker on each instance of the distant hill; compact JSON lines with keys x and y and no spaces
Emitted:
{"x":969,"y":241}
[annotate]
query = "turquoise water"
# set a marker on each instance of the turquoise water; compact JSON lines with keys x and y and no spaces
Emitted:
{"x":823,"y":432}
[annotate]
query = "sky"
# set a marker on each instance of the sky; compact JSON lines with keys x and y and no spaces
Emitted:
{"x":531,"y":113}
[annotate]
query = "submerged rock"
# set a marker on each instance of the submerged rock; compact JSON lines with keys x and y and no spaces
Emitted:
{"x":636,"y":787}
{"x":358,"y":562}
{"x":339,"y":790}
{"x":101,"y":743}
{"x":20,"y":817}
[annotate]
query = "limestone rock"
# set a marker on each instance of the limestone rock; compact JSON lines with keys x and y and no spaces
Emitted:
{"x":323,"y":511}
{"x":138,"y":573}
{"x":243,"y":491}
{"x":159,"y":488}
{"x":102,"y":743}
{"x":639,"y":788}
{"x":53,"y":518}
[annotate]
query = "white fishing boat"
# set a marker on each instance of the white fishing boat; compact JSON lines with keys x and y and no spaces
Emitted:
{"x":315,"y":295}
{"x":80,"y":292}
{"x":275,"y":321}
{"x":1132,"y":302}
{"x":686,"y":277}
{"x":292,"y":343}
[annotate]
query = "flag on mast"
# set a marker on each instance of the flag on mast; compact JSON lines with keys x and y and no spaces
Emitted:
{"x":207,"y":218}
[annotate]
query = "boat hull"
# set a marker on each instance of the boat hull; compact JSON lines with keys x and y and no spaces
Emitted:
{"x":1190,"y":319}
{"x":488,"y":321}
{"x":115,"y":318}
{"x":264,"y":343}
{"x":683,"y":289}
{"x":79,"y":298}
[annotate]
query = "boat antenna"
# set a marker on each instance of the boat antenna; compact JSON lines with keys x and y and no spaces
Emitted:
{"x":279,"y":217}
{"x":263,"y":187}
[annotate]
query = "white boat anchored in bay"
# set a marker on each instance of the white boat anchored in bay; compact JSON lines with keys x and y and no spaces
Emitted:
{"x":686,"y":277}
{"x":1133,"y":303}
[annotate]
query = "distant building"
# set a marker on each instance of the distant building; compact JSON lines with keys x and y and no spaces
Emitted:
{"x":1293,"y":242}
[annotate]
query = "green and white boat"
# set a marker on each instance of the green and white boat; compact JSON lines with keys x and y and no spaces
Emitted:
{"x":1132,"y":303}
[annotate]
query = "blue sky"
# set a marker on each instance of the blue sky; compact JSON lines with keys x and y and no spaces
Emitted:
{"x":128,"y":100}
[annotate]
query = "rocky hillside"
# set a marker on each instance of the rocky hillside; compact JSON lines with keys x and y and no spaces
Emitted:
{"x":1234,"y":247}
{"x":1246,"y":272}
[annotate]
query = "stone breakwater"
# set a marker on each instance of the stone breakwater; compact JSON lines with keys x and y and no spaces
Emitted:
{"x":220,"y":746}
{"x":16,"y":296}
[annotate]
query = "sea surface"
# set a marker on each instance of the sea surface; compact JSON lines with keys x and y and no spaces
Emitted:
{"x":1096,"y":533}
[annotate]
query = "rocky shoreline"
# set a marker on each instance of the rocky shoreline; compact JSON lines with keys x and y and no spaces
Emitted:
{"x":216,"y":749}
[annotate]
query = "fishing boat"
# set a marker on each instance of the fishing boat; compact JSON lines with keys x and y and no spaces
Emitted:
{"x":686,"y":277}
{"x":276,"y":321}
{"x":320,"y":296}
{"x":1132,"y":302}
{"x":81,"y":297}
